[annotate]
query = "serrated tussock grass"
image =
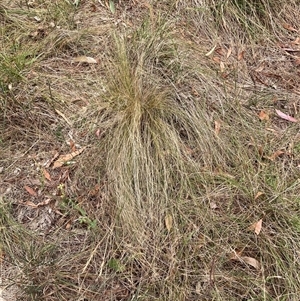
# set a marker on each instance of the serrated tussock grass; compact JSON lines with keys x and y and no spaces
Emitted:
{"x":159,"y":156}
{"x":154,"y":138}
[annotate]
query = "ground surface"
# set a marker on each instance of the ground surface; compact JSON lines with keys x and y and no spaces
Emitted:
{"x":150,"y":150}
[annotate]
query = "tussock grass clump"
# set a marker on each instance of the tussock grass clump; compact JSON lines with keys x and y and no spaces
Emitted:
{"x":152,"y":136}
{"x":178,"y":162}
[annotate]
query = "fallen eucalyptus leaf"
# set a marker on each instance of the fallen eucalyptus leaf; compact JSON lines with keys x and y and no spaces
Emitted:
{"x":63,"y":159}
{"x":251,"y":261}
{"x":85,"y":59}
{"x":30,"y":190}
{"x":169,"y":222}
{"x":285,"y":116}
{"x":256,"y":227}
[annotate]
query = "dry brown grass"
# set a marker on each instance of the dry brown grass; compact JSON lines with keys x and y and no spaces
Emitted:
{"x":159,"y":203}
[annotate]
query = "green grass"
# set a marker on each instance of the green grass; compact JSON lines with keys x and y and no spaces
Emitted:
{"x":161,"y":199}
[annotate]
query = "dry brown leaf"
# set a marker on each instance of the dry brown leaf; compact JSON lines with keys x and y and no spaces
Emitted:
{"x":263,"y":115}
{"x":30,"y":190}
{"x":30,"y":204}
{"x":285,"y":116}
{"x":47,"y":175}
{"x":251,"y":261}
{"x":33,"y":205}
{"x":237,"y":256}
{"x":68,"y":226}
{"x":241,"y":55}
{"x":221,"y":51}
{"x":169,"y":222}
{"x":217,"y":127}
{"x":260,"y":150}
{"x":229,"y":52}
{"x":256,"y":227}
{"x":85,"y":59}
{"x":65,"y":158}
{"x":216,"y":59}
{"x":72,"y":145}
{"x":275,"y":155}
{"x":44,"y":203}
{"x":222,"y":66}
{"x":258,"y":195}
{"x":289,"y":27}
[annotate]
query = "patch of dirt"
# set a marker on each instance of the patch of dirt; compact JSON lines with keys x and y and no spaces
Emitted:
{"x":8,"y":290}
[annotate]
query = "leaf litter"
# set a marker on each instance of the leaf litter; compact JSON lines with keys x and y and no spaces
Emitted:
{"x":63,"y":159}
{"x":33,"y":205}
{"x":285,"y":116}
{"x":237,"y":256}
{"x":169,"y":222}
{"x":256,"y":227}
{"x":85,"y":59}
{"x":258,"y":195}
{"x":263,"y":116}
{"x":30,"y":190}
{"x":46,"y":175}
